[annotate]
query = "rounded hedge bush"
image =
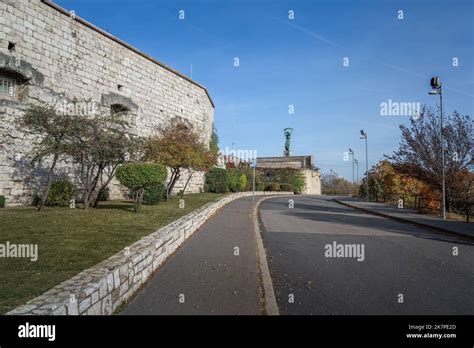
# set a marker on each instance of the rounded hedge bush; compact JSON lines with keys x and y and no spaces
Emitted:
{"x":136,"y":176}
{"x":60,"y":193}
{"x":217,"y":180}
{"x":154,"y":194}
{"x":104,"y":195}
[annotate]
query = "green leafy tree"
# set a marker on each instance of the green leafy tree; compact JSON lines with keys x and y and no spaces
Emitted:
{"x":179,"y":147}
{"x":289,"y":176}
{"x":214,"y":143}
{"x":332,"y":184}
{"x":55,"y":131}
{"x":419,"y":152}
{"x":99,"y":147}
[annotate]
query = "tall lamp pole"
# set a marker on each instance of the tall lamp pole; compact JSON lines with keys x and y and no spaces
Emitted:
{"x":364,"y":136}
{"x":357,"y":170}
{"x":352,"y":153}
{"x":253,"y":164}
{"x":437,"y":88}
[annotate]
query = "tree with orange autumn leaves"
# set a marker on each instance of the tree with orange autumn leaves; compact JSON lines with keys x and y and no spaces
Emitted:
{"x":414,"y":169}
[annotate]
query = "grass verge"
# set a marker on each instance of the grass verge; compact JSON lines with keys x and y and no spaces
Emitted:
{"x":71,"y":240}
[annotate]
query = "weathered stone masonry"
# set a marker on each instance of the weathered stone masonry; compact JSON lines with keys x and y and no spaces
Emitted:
{"x":53,"y":56}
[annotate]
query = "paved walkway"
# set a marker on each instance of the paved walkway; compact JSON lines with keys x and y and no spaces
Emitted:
{"x":411,"y":216}
{"x":207,"y":271}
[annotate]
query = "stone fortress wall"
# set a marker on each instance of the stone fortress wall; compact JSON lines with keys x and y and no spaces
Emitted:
{"x":53,"y":56}
{"x":304,"y":163}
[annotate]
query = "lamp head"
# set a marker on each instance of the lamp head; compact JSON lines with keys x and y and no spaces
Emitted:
{"x":435,"y":82}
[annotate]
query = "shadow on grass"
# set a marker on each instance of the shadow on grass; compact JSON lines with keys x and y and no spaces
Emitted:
{"x":122,"y":205}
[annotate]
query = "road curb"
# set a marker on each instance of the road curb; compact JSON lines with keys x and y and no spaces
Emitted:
{"x":271,"y":307}
{"x":399,"y":219}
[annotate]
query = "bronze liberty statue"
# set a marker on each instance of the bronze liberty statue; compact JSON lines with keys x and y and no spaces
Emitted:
{"x":288,"y":132}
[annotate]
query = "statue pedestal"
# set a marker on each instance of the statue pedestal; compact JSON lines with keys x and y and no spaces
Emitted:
{"x":286,"y":153}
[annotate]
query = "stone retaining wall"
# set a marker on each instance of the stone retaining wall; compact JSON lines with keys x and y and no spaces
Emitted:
{"x":100,"y":289}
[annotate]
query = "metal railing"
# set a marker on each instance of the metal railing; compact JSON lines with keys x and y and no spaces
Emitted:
{"x":464,"y":210}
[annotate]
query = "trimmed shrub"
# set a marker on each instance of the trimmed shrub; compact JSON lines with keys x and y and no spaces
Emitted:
{"x":154,"y":194}
{"x":217,"y":180}
{"x":2,"y":201}
{"x":138,"y":177}
{"x":291,"y":176}
{"x":272,"y":187}
{"x":233,"y":182}
{"x":287,"y":187}
{"x":60,"y":193}
{"x":243,"y":182}
{"x":104,"y":195}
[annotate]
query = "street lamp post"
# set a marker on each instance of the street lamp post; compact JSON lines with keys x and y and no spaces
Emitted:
{"x":437,"y":88}
{"x":364,"y":136}
{"x":254,"y":166}
{"x":352,"y":153}
{"x":357,"y":170}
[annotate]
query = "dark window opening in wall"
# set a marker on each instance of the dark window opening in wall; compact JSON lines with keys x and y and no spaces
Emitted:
{"x":118,"y":110}
{"x":7,"y":86}
{"x":120,"y":87}
{"x":11,"y":46}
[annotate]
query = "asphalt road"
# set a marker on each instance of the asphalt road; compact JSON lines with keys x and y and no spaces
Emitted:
{"x":399,"y":259}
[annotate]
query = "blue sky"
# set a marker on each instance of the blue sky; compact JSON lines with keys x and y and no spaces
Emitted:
{"x":300,"y":62}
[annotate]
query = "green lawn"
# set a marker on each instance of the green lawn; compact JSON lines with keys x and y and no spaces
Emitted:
{"x":71,"y":240}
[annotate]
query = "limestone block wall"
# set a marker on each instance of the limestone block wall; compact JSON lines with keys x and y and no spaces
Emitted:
{"x":312,"y":182}
{"x":57,"y":58}
{"x":100,"y":289}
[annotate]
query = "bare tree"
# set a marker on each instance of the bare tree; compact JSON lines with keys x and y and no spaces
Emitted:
{"x":419,"y":153}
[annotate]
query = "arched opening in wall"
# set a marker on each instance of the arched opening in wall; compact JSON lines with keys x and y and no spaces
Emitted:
{"x":181,"y":122}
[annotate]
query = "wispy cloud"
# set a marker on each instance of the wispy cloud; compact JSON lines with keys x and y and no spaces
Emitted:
{"x":332,"y":43}
{"x":307,"y":31}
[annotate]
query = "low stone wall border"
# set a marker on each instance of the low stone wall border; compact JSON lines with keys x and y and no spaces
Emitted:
{"x":99,"y":290}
